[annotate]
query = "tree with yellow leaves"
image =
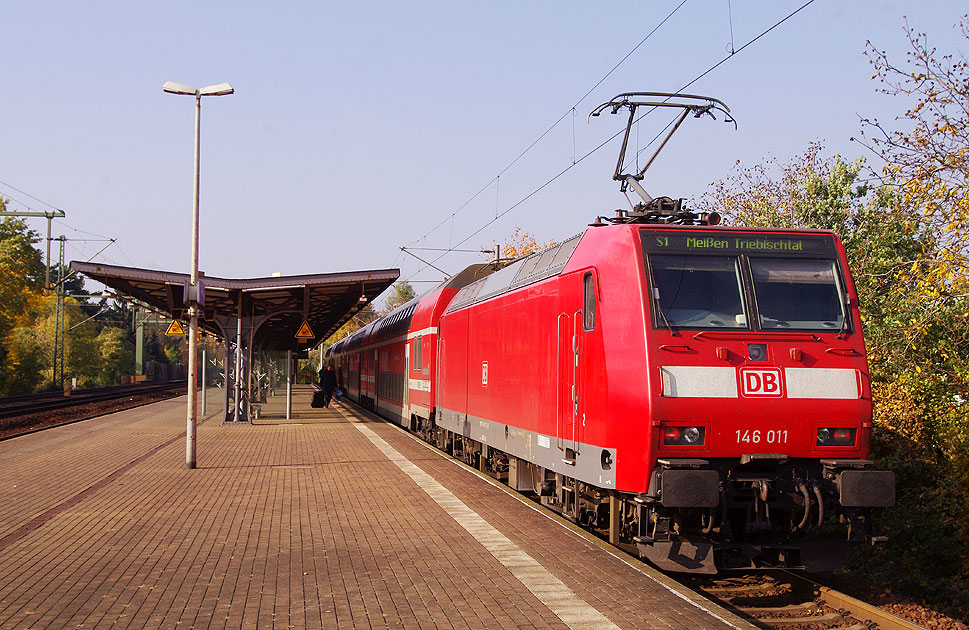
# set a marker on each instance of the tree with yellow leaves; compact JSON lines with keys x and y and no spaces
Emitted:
{"x":930,"y":161}
{"x":519,"y":243}
{"x":21,"y":281}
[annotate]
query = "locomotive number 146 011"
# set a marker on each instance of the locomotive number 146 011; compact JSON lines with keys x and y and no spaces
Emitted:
{"x":756,"y":436}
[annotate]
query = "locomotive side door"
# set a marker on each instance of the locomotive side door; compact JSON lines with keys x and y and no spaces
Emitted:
{"x":572,"y":328}
{"x":569,"y":330}
{"x":568,"y":378}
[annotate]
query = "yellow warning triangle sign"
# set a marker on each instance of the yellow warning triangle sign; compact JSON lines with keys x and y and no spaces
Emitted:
{"x":304,"y":332}
{"x":175,"y":329}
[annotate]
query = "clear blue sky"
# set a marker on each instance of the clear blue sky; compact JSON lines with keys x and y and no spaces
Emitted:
{"x":357,"y":128}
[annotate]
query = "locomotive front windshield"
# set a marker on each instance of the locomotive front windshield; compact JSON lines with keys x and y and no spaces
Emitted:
{"x":769,"y":282}
{"x":703,"y":292}
{"x":800,"y":294}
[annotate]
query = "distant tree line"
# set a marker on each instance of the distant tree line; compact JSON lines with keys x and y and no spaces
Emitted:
{"x":98,"y":335}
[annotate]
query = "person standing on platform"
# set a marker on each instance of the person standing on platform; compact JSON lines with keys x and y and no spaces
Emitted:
{"x":327,"y":384}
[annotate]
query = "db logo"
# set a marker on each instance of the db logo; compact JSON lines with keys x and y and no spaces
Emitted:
{"x":761,"y":381}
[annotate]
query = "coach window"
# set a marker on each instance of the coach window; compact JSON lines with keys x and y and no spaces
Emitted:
{"x":588,"y":302}
{"x":417,"y":351}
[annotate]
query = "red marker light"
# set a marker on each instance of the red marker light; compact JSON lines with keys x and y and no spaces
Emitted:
{"x":845,"y":437}
{"x":836,"y":437}
{"x":671,"y":435}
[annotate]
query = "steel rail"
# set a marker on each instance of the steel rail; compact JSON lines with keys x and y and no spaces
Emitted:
{"x":59,"y":401}
{"x":778,"y":598}
{"x":863,"y":611}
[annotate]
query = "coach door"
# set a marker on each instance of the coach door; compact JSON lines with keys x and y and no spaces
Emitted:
{"x":405,"y":394}
{"x":376,"y":380}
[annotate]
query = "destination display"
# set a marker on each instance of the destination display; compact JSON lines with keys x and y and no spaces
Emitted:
{"x":682,"y":241}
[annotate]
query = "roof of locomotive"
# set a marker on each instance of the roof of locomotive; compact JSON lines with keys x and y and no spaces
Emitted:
{"x":523,"y":271}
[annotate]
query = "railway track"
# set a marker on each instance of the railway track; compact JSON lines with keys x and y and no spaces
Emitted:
{"x":16,"y":406}
{"x":784,"y":600}
{"x":22,"y":415}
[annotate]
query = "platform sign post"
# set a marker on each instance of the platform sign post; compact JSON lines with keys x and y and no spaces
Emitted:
{"x":203,"y":383}
{"x":289,"y":383}
{"x":236,"y":382}
{"x":303,"y":334}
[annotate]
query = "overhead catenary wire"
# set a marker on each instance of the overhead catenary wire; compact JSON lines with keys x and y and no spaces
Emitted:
{"x":611,"y":138}
{"x":64,"y":224}
{"x":49,"y":205}
{"x":496,"y":178}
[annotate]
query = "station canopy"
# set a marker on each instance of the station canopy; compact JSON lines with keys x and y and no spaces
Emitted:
{"x":282,"y":303}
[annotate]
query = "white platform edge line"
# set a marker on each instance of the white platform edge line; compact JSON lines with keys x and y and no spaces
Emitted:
{"x":541,"y":511}
{"x":550,"y":590}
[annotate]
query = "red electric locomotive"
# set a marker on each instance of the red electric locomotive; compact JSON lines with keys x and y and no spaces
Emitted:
{"x":698,"y":393}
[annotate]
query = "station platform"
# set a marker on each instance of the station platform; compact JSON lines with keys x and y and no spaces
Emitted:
{"x":331,"y":519}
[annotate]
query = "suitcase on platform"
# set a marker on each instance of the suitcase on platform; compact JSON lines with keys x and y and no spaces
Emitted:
{"x":317,"y":401}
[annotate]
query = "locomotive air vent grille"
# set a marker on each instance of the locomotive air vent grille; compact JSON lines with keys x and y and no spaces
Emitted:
{"x":528,"y":266}
{"x":524,"y":271}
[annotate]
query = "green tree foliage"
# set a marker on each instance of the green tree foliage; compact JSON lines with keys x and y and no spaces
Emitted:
{"x":155,"y":346}
{"x":95,"y":351}
{"x":20,"y":269}
{"x":80,"y":352}
{"x":116,"y":356}
{"x":26,"y":358}
{"x":402,"y":293}
{"x":916,"y":356}
{"x":930,"y":159}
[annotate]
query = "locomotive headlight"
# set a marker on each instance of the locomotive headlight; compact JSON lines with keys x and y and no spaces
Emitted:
{"x":756,"y":351}
{"x":824,"y":436}
{"x":691,"y":435}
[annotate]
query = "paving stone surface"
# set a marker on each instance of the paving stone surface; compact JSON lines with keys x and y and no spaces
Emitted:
{"x":329,"y":519}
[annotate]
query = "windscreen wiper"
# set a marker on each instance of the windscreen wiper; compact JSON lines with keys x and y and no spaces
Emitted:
{"x":659,"y":308}
{"x":845,"y":312}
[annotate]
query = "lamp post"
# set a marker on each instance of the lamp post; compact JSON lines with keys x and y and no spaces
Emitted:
{"x":193,"y":294}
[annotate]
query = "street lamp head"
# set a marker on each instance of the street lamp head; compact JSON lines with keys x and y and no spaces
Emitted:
{"x":178,"y":88}
{"x":221,"y":89}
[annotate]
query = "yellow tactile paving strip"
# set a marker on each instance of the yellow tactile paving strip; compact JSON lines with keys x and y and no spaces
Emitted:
{"x":300,"y":523}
